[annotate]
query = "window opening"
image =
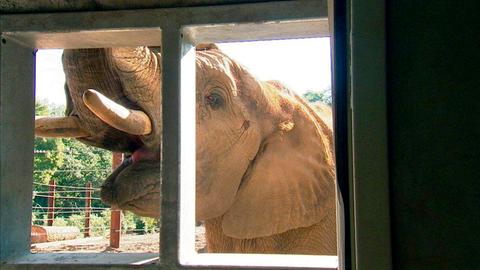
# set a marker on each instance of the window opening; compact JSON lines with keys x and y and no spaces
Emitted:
{"x":238,"y":88}
{"x":94,"y":174}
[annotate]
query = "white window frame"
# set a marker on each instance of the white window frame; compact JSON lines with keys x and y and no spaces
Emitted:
{"x":22,"y":34}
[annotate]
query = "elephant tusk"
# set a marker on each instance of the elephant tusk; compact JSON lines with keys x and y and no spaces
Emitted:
{"x":134,"y":122}
{"x":59,"y":127}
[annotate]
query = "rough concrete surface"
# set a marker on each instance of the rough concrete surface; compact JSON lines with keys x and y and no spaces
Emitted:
{"x":28,"y":6}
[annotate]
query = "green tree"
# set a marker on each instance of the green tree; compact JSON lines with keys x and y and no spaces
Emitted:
{"x":82,"y":164}
{"x":315,"y":96}
{"x":48,"y":153}
{"x":47,"y":159}
{"x":52,"y":109}
{"x":41,"y":109}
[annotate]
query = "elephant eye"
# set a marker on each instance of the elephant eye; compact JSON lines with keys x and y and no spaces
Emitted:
{"x":214,"y":100}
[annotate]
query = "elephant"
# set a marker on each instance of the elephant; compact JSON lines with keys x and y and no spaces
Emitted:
{"x":265,"y":175}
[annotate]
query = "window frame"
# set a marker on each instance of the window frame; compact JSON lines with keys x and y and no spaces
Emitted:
{"x":368,"y":133}
{"x":359,"y":38}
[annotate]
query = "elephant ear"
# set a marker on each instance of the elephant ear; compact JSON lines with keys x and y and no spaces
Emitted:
{"x":291,"y":182}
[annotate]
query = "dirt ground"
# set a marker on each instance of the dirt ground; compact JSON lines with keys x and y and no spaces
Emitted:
{"x":147,"y":243}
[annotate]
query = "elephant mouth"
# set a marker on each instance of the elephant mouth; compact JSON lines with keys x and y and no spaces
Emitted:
{"x":135,"y":184}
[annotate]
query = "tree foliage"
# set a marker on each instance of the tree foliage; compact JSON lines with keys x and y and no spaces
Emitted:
{"x":48,"y":155}
{"x":316,"y":96}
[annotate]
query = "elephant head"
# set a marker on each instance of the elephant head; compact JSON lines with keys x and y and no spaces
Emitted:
{"x":264,"y":158}
{"x":114,"y":102}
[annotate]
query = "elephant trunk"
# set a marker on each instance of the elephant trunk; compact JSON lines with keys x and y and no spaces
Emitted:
{"x":139,"y":71}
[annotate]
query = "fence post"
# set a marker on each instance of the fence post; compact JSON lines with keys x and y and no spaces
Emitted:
{"x":51,"y":203}
{"x":115,"y":218}
{"x":88,"y":207}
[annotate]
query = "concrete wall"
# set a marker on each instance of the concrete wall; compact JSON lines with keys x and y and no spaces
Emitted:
{"x":28,"y":6}
{"x":434,"y":133}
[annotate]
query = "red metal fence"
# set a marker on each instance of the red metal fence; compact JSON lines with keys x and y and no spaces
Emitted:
{"x":115,"y":217}
{"x":64,"y":192}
